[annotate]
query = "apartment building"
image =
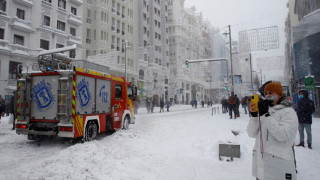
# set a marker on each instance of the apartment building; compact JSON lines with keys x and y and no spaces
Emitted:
{"x":188,"y":40}
{"x":28,"y":27}
{"x":153,"y":49}
{"x":110,"y":35}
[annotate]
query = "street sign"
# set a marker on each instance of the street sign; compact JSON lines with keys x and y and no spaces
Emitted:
{"x":309,"y":82}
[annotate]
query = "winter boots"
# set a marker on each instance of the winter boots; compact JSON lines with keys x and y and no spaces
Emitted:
{"x":300,"y":144}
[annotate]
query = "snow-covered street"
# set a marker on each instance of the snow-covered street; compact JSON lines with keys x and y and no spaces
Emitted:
{"x":178,"y":145}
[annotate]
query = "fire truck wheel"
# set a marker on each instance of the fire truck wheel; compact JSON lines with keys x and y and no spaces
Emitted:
{"x":126,"y":123}
{"x":91,"y":131}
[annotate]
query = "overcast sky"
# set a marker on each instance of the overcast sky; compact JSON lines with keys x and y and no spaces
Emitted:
{"x":242,"y":14}
{"x":245,"y":15}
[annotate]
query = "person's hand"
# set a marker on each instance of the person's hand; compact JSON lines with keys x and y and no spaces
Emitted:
{"x":264,"y":106}
{"x":253,"y":107}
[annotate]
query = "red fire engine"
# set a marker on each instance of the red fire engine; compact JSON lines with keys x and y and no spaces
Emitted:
{"x":72,"y":102}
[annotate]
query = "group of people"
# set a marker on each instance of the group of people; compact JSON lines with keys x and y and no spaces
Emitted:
{"x":151,"y":104}
{"x":231,"y":105}
{"x":7,"y":107}
{"x":274,"y":124}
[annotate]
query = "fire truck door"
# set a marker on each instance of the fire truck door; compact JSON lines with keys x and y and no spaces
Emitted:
{"x":118,"y":104}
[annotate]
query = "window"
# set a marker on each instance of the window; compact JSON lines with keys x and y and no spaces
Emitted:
{"x":74,"y":10}
{"x":44,"y":44}
{"x":118,"y":90}
{"x":49,"y":1}
{"x":1,"y":33}
{"x":46,"y":20}
{"x":62,"y":4}
{"x":3,"y":5}
{"x":141,"y":74}
{"x":13,"y":70}
{"x":20,"y":13}
{"x":18,"y":40}
{"x":73,"y":31}
{"x":59,"y":45}
{"x":61,"y":25}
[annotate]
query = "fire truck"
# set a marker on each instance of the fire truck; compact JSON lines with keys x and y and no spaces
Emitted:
{"x":68,"y":101}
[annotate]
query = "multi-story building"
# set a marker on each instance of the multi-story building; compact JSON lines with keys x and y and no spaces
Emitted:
{"x":305,"y":39}
{"x":110,"y":35}
{"x":153,"y":49}
{"x":28,"y":27}
{"x":187,"y":40}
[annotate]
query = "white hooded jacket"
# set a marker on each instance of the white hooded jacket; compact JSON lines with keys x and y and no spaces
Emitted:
{"x":279,"y":131}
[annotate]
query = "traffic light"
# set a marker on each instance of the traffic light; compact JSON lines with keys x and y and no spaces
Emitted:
{"x":226,"y":86}
{"x":187,"y":63}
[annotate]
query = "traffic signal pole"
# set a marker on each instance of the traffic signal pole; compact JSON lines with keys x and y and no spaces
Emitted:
{"x":209,"y":60}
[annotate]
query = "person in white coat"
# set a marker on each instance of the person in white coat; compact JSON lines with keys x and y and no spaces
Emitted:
{"x":274,"y":126}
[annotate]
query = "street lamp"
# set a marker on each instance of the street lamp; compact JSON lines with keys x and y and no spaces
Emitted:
{"x":125,"y":59}
{"x":230,"y":46}
{"x":250,"y":70}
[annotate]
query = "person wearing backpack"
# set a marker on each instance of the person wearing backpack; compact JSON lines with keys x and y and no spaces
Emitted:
{"x":231,"y":105}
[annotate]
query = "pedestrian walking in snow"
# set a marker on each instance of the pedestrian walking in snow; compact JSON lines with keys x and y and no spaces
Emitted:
{"x":161,"y":105}
{"x":2,"y":107}
{"x":274,"y":126}
{"x":202,"y":104}
{"x":244,"y":104}
{"x":237,"y":105}
{"x":304,"y":112}
{"x":167,"y":105}
{"x":195,"y":103}
{"x":231,"y":105}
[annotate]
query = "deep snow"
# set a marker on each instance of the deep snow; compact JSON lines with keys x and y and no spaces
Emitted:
{"x":177,"y":145}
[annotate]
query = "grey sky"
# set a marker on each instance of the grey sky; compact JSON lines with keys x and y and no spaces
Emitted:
{"x":245,"y":15}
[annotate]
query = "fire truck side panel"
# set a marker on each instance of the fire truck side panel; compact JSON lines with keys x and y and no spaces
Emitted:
{"x":85,"y":95}
{"x":103,"y":94}
{"x":44,"y":97}
{"x":103,"y":122}
{"x":78,"y":126}
{"x":118,"y":103}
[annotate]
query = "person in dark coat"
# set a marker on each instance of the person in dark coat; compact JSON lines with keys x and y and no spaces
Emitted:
{"x":168,"y":105}
{"x":13,"y":108}
{"x":236,"y":108}
{"x":232,"y":104}
{"x":202,"y":104}
{"x":161,"y":105}
{"x":2,"y":107}
{"x":304,"y":112}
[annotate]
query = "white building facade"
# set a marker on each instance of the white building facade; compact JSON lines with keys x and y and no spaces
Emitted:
{"x":28,"y":27}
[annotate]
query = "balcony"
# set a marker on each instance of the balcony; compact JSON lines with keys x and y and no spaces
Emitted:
{"x":53,"y":30}
{"x":25,"y":3}
{"x":73,"y":19}
{"x":76,"y":2}
{"x":4,"y":46}
{"x":19,"y":50}
{"x":46,"y":4}
{"x":74,"y":40}
{"x":21,"y":25}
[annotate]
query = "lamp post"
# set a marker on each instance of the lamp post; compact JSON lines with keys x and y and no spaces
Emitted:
{"x":125,"y":59}
{"x":230,"y":46}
